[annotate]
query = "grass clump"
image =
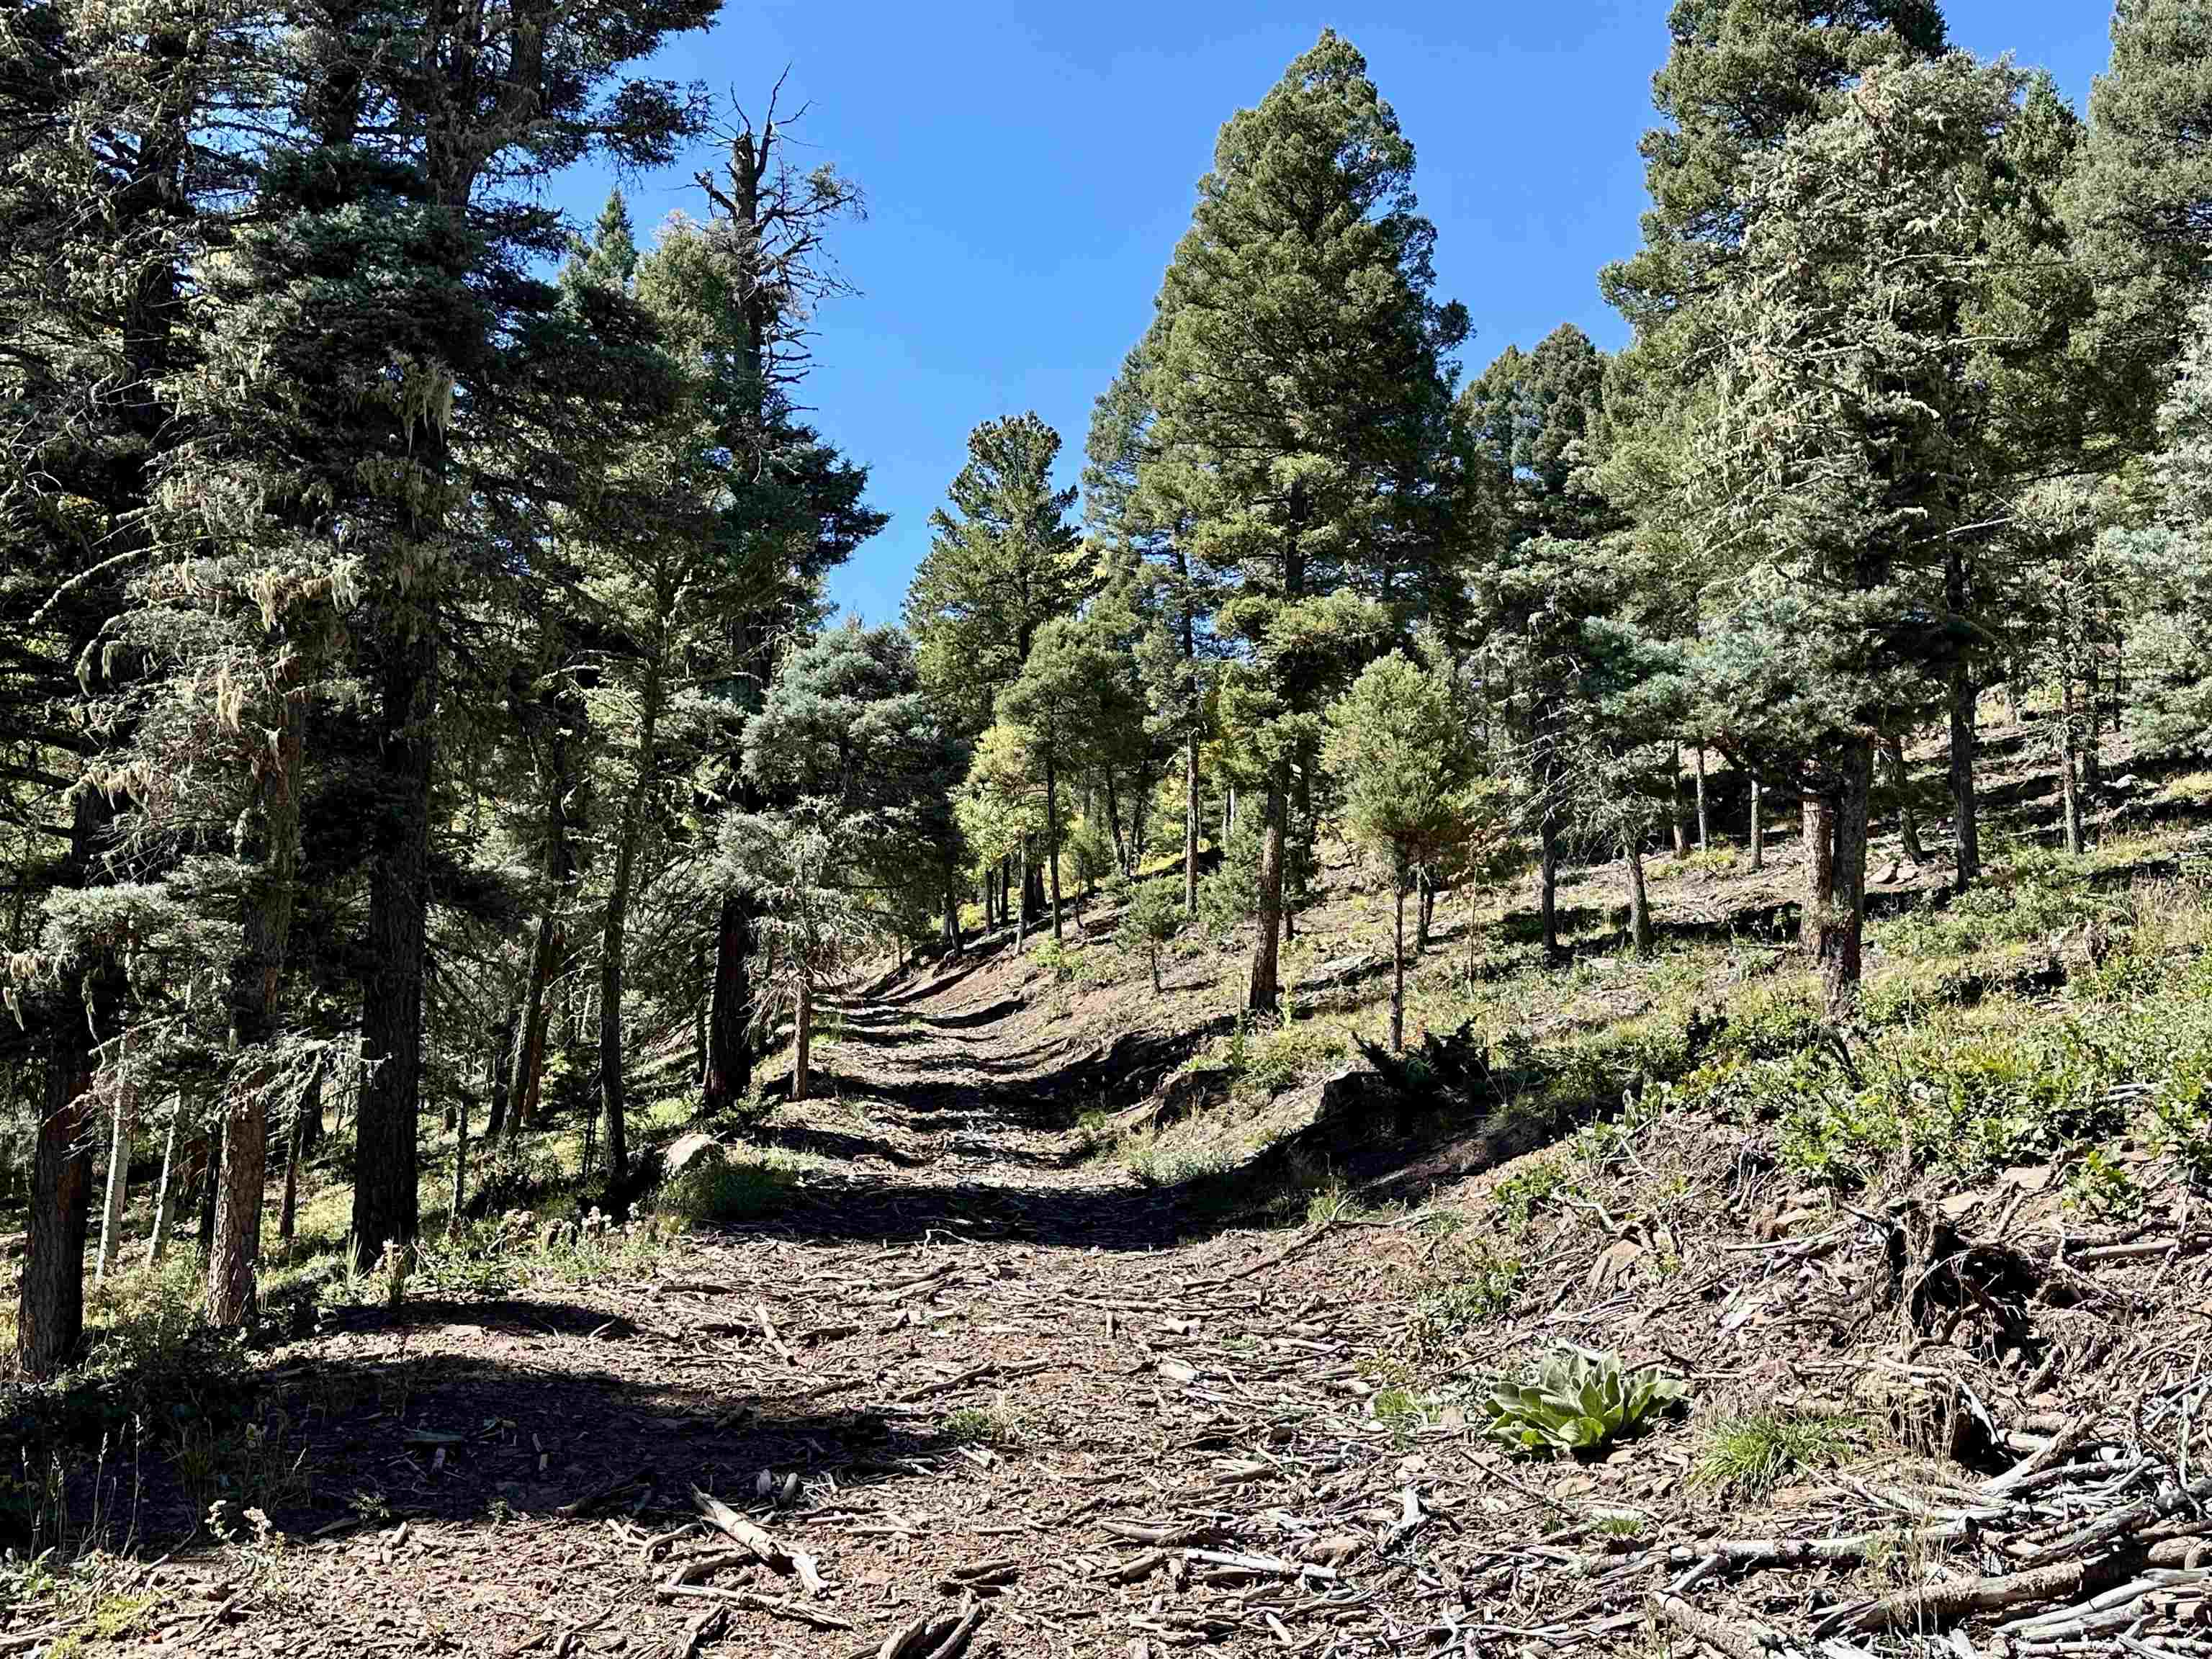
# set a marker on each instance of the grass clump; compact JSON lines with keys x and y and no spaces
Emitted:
{"x":1267,"y":1060}
{"x":1160,"y":1160}
{"x":1578,"y":1402}
{"x":715,"y":1192}
{"x":982,"y":1425}
{"x":1747,"y":1457}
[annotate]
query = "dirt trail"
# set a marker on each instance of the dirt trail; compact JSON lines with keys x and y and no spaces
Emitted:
{"x":997,"y":1371}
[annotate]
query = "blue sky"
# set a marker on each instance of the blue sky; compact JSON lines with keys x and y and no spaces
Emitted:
{"x":1029,"y":167}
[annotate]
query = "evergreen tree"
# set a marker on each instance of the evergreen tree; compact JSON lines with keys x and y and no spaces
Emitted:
{"x":1303,"y":377}
{"x":1003,"y":561}
{"x":1845,"y":420}
{"x":2142,"y":203}
{"x":1394,"y":741}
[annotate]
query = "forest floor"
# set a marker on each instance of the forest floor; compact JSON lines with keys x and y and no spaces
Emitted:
{"x":1078,"y":1319}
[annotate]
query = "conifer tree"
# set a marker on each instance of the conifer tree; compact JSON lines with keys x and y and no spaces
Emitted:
{"x":1003,"y":562}
{"x":1303,"y":375}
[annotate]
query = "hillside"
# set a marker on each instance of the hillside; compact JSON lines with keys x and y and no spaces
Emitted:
{"x":1078,"y":1319}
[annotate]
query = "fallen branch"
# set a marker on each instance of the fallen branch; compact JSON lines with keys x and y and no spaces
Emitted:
{"x":727,"y":1521}
{"x":768,"y":1604}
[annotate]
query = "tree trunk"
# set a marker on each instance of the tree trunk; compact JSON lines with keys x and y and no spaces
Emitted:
{"x":50,"y":1301}
{"x":1840,"y":853}
{"x":503,"y":1055}
{"x":1964,"y":804}
{"x":1426,"y":915}
{"x":2068,"y":748}
{"x":1052,"y":837}
{"x":460,"y":1168}
{"x":1547,"y":882}
{"x":729,"y":1014}
{"x":612,"y":1102}
{"x":1398,"y":965}
{"x":265,"y":917}
{"x":157,"y":1241}
{"x":802,"y":1042}
{"x":210,"y":1185}
{"x":1124,"y":847}
{"x":951,"y":906}
{"x":1758,"y":830}
{"x":385,"y":1157}
{"x":1262,"y":991}
{"x":1900,"y":780}
{"x":50,"y":1297}
{"x":1639,"y":900}
{"x":1674,"y":807}
{"x":1022,"y":876}
{"x":118,"y":1180}
{"x":305,"y":1116}
{"x":1704,"y":826}
{"x":1191,"y":808}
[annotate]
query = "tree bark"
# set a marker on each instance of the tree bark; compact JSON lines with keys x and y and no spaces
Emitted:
{"x":729,"y":1014}
{"x":2068,"y":748}
{"x":1639,"y":900}
{"x":1704,"y":826}
{"x":1398,"y":965}
{"x":1263,"y":990}
{"x":157,"y":1241}
{"x":1674,"y":807}
{"x":1758,"y":830}
{"x":50,"y":1297}
{"x":1425,"y":915}
{"x":1841,"y":855}
{"x":612,"y":1100}
{"x":385,"y":1203}
{"x":1547,"y":882}
{"x":256,"y":971}
{"x":1052,"y":837}
{"x":118,"y":1180}
{"x":1964,"y":804}
{"x":1021,"y":878}
{"x":1191,"y":808}
{"x":802,"y":1042}
{"x":502,"y":1056}
{"x":50,"y":1301}
{"x":460,"y":1170}
{"x":1900,"y":780}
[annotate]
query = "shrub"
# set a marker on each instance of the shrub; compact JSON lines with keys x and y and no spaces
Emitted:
{"x":1578,"y":1401}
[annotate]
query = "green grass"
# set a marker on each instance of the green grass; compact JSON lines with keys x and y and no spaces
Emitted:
{"x":1747,"y":1457}
{"x":716,"y":1192}
{"x":982,"y":1425}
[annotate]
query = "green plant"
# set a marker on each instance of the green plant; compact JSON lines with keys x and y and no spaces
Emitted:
{"x":2100,"y":1185}
{"x":1748,"y":1456}
{"x":981,"y":1425}
{"x":1149,"y":922}
{"x":716,"y":1191}
{"x":1521,"y":1194}
{"x":1479,"y":1292}
{"x":1396,"y":1409}
{"x":1578,"y":1401}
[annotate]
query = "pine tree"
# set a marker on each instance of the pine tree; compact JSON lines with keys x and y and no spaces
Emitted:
{"x":1302,"y":385}
{"x":1394,"y":741}
{"x":1003,"y":562}
{"x":2141,"y":205}
{"x":1846,"y":417}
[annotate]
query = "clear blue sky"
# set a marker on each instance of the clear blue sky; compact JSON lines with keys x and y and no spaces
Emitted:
{"x":1029,"y":167}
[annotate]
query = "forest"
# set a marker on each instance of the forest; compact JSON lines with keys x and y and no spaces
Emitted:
{"x":1491,"y":968}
